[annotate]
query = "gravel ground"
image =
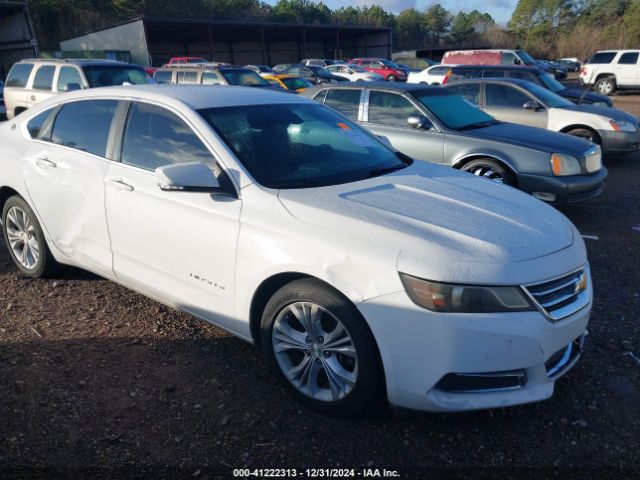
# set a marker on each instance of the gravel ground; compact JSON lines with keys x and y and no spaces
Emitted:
{"x":99,"y":382}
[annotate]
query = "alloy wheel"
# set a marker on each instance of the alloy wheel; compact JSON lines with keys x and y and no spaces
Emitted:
{"x":315,"y":351}
{"x":487,"y":172}
{"x":21,"y":234}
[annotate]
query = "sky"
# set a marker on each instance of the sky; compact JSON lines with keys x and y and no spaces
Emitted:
{"x":500,"y":10}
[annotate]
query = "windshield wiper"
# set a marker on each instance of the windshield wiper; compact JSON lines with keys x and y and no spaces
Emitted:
{"x":376,"y":172}
{"x":471,"y":126}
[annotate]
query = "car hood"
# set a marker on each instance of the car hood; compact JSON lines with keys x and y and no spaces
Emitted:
{"x":437,"y":213}
{"x":532,"y":137}
{"x":589,"y":97}
{"x":613,"y":113}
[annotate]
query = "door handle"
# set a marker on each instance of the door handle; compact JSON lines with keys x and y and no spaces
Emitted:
{"x":32,"y":98}
{"x":120,"y":185}
{"x":43,"y":162}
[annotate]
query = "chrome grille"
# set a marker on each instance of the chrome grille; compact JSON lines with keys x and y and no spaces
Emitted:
{"x":593,"y":159}
{"x":563,"y":296}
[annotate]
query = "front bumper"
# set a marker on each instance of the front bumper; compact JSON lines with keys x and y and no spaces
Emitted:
{"x":420,"y":348}
{"x":571,"y":189}
{"x":619,"y":142}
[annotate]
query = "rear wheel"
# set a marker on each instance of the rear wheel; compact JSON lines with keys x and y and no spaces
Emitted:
{"x":25,"y":240}
{"x":321,"y":348}
{"x":491,"y":170}
{"x":585,"y":133}
{"x":606,"y":85}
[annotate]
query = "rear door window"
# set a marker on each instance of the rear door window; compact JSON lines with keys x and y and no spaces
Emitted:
{"x":346,"y":102}
{"x":84,"y":125}
{"x":629,"y":58}
{"x":68,"y":76}
{"x":43,"y":79}
{"x":19,"y":75}
{"x":602,"y":58}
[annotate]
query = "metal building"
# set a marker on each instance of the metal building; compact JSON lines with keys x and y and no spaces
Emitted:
{"x":17,"y":39}
{"x":152,"y":41}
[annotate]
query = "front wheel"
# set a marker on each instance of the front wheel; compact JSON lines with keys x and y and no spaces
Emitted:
{"x":491,"y":170}
{"x":606,"y":85}
{"x":586,"y":134}
{"x":25,"y":240}
{"x":392,"y":78}
{"x":321,"y":349}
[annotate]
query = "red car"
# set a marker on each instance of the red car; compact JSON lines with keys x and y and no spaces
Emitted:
{"x":389,"y":70}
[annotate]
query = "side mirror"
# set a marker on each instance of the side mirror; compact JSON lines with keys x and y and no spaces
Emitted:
{"x":70,"y":87}
{"x":517,"y":62}
{"x":385,"y":140}
{"x":419,"y":121}
{"x":532,"y":105}
{"x":188,"y":177}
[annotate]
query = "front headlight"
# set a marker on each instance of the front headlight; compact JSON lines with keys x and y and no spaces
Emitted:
{"x":563,"y":165}
{"x":453,"y":298}
{"x":622,"y":126}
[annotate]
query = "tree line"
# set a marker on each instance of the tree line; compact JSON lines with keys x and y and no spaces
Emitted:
{"x":546,"y":28}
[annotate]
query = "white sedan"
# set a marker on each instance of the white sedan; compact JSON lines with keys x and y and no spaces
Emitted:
{"x":434,"y":75}
{"x":356,"y":270}
{"x":355,"y":73}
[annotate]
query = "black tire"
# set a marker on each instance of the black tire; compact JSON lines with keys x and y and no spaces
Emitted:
{"x":45,"y":264}
{"x":586,"y":133}
{"x":368,"y":387}
{"x":490,"y":169}
{"x":392,"y":78}
{"x":606,"y":85}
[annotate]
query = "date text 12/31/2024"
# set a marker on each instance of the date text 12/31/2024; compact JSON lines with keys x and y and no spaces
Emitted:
{"x":315,"y":473}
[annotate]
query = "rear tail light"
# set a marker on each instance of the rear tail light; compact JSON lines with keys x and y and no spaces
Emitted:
{"x":446,"y":77}
{"x":583,"y":70}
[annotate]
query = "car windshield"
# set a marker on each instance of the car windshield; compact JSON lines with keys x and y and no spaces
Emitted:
{"x":526,"y":58}
{"x":110,"y":75}
{"x":551,"y":83}
{"x":454,"y":111}
{"x":295,"y":83}
{"x":246,"y":78}
{"x":300,"y":145}
{"x":547,"y":97}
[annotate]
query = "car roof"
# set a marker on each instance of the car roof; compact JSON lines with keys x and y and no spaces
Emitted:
{"x":514,"y":81}
{"x":77,"y":61}
{"x":194,"y":96}
{"x":400,"y":87}
{"x":530,"y":68}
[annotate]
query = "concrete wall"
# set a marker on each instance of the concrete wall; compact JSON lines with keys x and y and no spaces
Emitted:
{"x":129,"y":37}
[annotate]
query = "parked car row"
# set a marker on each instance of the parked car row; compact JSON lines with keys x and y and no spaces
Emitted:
{"x":437,"y":125}
{"x":363,"y":274}
{"x":442,"y":74}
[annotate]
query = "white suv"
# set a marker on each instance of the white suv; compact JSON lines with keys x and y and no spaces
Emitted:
{"x":31,"y":81}
{"x":611,"y":70}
